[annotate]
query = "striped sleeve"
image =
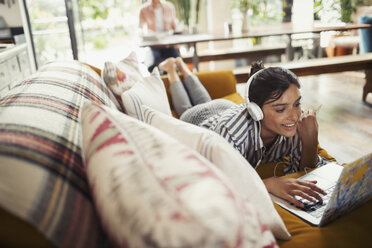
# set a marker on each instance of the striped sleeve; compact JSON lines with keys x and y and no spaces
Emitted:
{"x":232,"y":125}
{"x":295,"y":154}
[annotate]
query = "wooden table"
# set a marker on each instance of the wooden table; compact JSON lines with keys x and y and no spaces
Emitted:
{"x":324,"y":65}
{"x":286,"y":29}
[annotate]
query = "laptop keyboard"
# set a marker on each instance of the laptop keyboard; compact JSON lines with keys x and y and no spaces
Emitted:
{"x":317,"y":209}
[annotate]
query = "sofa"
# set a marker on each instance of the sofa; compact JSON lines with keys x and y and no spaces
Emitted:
{"x":46,"y":199}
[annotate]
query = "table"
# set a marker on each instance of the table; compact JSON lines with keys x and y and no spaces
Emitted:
{"x":179,"y":39}
{"x":286,"y":29}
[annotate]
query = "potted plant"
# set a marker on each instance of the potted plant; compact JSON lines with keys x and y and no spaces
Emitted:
{"x":243,"y":6}
{"x":184,"y":10}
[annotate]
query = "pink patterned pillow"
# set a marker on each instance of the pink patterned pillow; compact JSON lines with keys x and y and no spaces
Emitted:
{"x":152,"y":191}
{"x":219,"y":152}
{"x":123,"y":75}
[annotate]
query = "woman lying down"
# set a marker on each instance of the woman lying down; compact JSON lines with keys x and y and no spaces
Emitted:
{"x":267,"y":128}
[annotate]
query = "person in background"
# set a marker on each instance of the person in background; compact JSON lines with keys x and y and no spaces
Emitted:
{"x":269,"y":127}
{"x":158,"y":16}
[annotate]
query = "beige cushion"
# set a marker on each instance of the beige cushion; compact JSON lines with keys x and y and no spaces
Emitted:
{"x":149,"y":91}
{"x":225,"y":157}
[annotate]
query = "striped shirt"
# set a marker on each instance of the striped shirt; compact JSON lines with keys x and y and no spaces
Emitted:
{"x":241,"y":131}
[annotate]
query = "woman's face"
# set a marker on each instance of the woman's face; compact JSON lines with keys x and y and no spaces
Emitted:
{"x":282,"y":115}
{"x":155,"y":3}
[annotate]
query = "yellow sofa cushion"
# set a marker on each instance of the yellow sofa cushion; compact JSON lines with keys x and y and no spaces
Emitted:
{"x":234,"y":97}
{"x":15,"y":232}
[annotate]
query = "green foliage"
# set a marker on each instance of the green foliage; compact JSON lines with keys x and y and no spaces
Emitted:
{"x":100,"y":42}
{"x":95,"y":9}
{"x":245,"y":5}
{"x":317,"y":8}
{"x":197,"y":7}
{"x":346,"y":8}
{"x":184,"y":9}
{"x":263,"y":11}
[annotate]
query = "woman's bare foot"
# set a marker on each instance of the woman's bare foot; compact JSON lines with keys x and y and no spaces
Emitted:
{"x":182,"y":67}
{"x":170,"y":67}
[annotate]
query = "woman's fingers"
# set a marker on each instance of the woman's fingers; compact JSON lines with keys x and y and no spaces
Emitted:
{"x":308,"y":191}
{"x":312,"y":185}
{"x":311,"y":196}
{"x":294,"y":201}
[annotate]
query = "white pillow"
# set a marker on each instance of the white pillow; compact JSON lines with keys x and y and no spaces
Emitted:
{"x":225,"y":157}
{"x":151,"y":92}
{"x":123,"y":75}
{"x":152,"y":191}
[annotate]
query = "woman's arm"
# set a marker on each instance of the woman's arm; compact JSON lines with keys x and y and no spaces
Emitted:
{"x":288,"y":188}
{"x":308,"y":132}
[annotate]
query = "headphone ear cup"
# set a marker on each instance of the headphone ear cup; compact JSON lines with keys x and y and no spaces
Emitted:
{"x":255,"y":111}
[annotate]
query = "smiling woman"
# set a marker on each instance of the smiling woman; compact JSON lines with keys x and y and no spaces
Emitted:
{"x":269,"y":127}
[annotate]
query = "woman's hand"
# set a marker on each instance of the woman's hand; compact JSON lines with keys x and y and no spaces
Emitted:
{"x":288,"y":188}
{"x":307,"y":127}
{"x":307,"y":130}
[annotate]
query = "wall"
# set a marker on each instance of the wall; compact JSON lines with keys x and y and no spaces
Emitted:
{"x":217,"y":12}
{"x":11,"y":15}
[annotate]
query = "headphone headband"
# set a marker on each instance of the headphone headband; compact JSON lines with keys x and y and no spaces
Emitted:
{"x":249,"y":82}
{"x":254,"y":110}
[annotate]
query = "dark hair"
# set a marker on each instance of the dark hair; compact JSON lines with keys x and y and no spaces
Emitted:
{"x":269,"y":84}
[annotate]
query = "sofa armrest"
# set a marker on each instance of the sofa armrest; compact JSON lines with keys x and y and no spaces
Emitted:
{"x":15,"y":232}
{"x":97,"y":70}
{"x":218,"y":83}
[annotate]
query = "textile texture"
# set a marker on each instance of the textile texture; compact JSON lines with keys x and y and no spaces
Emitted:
{"x":42,"y":180}
{"x":149,"y":91}
{"x":152,"y":191}
{"x":218,"y":151}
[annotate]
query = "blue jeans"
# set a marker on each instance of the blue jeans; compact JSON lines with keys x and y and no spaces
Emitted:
{"x":162,"y":53}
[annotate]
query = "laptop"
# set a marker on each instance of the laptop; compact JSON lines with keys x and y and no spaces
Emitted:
{"x":347,"y":187}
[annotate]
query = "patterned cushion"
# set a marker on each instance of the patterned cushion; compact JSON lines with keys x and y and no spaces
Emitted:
{"x":123,"y":75}
{"x":42,"y":180}
{"x":150,"y":91}
{"x":225,"y":157}
{"x":152,"y":191}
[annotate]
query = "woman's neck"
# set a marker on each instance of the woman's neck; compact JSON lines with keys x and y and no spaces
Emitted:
{"x":156,"y":5}
{"x":268,"y":139}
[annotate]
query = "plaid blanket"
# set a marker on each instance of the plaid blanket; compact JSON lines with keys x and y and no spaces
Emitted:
{"x":42,"y":179}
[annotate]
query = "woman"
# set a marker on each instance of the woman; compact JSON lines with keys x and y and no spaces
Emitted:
{"x":269,"y":127}
{"x":159,"y":16}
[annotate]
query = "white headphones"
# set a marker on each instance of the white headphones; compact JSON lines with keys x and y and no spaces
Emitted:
{"x":253,"y":109}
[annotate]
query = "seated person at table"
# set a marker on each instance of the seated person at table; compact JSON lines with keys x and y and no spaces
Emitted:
{"x":268,"y":128}
{"x":159,"y":16}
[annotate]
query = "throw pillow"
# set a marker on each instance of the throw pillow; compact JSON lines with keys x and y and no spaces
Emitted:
{"x":42,"y":181}
{"x":123,"y":75}
{"x":151,"y":92}
{"x":225,"y":157}
{"x":152,"y":191}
